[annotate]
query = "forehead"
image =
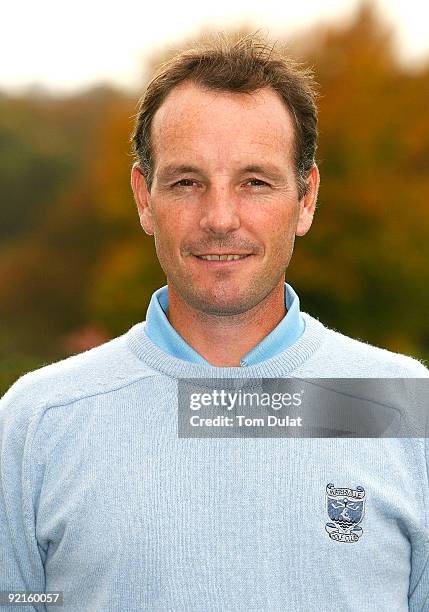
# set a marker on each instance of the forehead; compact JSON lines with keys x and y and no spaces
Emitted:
{"x":211,"y":124}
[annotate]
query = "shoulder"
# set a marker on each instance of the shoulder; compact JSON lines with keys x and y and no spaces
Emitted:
{"x":341,"y":355}
{"x":101,"y":369}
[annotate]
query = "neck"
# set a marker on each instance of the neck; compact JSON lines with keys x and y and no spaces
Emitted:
{"x":224,"y":340}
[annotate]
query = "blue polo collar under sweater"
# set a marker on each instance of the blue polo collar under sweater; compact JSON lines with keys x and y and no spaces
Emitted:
{"x":162,"y":333}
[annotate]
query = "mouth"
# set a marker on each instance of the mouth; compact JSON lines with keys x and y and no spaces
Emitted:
{"x":223,"y":256}
{"x":226,"y":259}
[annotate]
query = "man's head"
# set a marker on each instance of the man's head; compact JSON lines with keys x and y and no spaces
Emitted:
{"x":225,"y":141}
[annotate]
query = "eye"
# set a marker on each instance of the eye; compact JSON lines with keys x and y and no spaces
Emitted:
{"x":186,"y":182}
{"x":254,"y":182}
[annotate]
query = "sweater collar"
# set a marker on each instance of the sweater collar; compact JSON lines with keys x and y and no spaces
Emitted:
{"x":281,"y":365}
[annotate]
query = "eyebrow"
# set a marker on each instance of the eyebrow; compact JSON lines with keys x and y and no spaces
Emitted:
{"x":171,"y":171}
{"x":267,"y":169}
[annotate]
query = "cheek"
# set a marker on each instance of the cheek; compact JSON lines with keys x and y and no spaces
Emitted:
{"x":276,"y":226}
{"x":281,"y":239}
{"x":172,"y":227}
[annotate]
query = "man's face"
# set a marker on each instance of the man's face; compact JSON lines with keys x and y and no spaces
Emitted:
{"x":223,"y":184}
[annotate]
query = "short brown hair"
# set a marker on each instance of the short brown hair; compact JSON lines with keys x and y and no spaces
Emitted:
{"x":243,"y":66}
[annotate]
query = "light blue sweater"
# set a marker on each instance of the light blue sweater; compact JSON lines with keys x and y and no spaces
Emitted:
{"x":102,"y":500}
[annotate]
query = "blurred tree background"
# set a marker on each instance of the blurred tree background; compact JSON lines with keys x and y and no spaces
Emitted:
{"x":76,"y":269}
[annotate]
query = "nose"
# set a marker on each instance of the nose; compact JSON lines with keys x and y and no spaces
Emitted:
{"x":220,"y":214}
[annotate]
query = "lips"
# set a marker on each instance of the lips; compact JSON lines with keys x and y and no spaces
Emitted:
{"x":223,"y":257}
{"x":226,"y":261}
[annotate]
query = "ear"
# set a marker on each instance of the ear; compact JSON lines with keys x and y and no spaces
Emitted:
{"x":307,"y":204}
{"x":142,"y":198}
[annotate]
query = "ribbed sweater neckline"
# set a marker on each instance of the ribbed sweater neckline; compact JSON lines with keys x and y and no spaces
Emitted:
{"x":282,"y":364}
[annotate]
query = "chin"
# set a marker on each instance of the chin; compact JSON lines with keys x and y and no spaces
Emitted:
{"x":220,"y":304}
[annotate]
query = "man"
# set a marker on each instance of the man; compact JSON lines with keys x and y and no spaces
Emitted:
{"x":102,"y":500}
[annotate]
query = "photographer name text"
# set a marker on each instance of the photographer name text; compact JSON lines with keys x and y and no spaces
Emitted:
{"x":241,"y":420}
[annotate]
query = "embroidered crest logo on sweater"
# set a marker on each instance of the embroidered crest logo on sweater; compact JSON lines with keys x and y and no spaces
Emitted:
{"x":346,"y":509}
